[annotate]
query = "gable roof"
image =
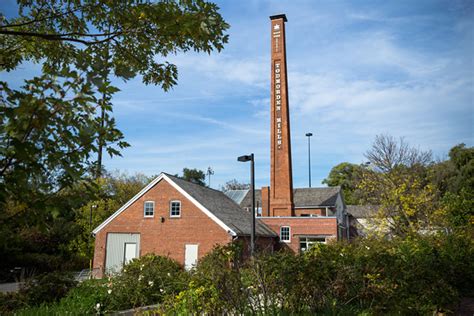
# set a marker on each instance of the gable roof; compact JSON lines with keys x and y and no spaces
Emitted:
{"x":215,"y":204}
{"x":224,"y":208}
{"x":362,"y":211}
{"x":302,"y":197}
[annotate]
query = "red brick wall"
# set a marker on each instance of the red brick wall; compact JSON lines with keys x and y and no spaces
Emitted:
{"x":167,"y":238}
{"x":311,"y":211}
{"x":302,"y":226}
{"x":262,"y":244}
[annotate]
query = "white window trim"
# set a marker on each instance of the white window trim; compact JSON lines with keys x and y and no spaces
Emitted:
{"x":289,"y":234}
{"x":176,"y":201}
{"x":144,"y":204}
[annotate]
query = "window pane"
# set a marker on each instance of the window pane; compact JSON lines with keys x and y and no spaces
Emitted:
{"x":175,"y":208}
{"x":285,"y":233}
{"x":308,"y":242}
{"x":149,"y":209}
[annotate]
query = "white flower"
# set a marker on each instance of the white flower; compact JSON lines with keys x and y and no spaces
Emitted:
{"x":140,"y":277}
{"x":169,"y":274}
{"x":109,"y":291}
{"x":342,"y":255}
{"x":161,"y":290}
{"x":97,"y":306}
{"x":367,"y":247}
{"x":124,"y":270}
{"x":150,"y":283}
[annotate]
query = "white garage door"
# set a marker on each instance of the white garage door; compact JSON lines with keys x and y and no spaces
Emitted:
{"x":121,"y":249}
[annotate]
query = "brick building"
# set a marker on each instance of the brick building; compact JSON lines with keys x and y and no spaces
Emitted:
{"x":175,"y":218}
{"x":319,"y":215}
{"x":184,"y":221}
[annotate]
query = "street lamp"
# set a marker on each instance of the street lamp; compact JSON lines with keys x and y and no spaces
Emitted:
{"x":309,"y":157}
{"x":90,"y":235}
{"x":250,"y":158}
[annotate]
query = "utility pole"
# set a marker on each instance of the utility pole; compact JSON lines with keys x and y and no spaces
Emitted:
{"x":209,"y":172}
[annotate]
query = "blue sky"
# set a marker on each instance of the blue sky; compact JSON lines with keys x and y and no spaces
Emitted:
{"x":355,"y":69}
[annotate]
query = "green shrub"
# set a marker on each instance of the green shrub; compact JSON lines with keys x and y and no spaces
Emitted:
{"x":215,"y":286}
{"x":88,"y":298}
{"x":416,"y":275}
{"x":10,"y":302}
{"x":146,"y":281}
{"x":47,"y":288}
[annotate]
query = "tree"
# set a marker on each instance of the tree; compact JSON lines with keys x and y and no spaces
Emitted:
{"x":114,"y":191}
{"x":55,"y":127}
{"x":346,"y":175}
{"x":398,"y":182}
{"x":59,"y":33}
{"x":387,"y":153}
{"x":80,"y":45}
{"x":194,"y":176}
{"x":235,"y":185}
{"x":454,"y":180}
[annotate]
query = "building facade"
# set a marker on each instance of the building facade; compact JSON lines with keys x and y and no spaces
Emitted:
{"x":184,"y":221}
{"x":300,"y":217}
{"x":175,"y":218}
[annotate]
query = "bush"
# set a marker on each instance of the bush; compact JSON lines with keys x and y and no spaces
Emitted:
{"x":412,"y":276}
{"x":146,"y":281}
{"x":87,"y":298}
{"x":415,"y":275}
{"x":47,"y":288}
{"x":215,"y":286}
{"x":10,"y":302}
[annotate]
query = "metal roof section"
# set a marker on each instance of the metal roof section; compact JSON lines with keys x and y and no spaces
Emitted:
{"x":237,"y":195}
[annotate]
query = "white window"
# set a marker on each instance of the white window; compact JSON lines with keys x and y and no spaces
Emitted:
{"x":149,"y":209}
{"x":308,"y":242}
{"x":285,"y":234}
{"x":175,"y":209}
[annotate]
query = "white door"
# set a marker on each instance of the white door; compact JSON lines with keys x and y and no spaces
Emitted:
{"x":190,"y":256}
{"x":130,"y":252}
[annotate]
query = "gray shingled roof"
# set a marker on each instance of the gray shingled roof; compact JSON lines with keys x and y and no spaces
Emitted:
{"x":303,"y":197}
{"x":224,"y":208}
{"x":362,"y":211}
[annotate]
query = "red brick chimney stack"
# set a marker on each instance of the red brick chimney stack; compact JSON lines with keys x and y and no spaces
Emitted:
{"x":281,"y":181}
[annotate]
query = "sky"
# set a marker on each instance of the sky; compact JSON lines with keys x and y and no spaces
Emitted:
{"x":356,"y":69}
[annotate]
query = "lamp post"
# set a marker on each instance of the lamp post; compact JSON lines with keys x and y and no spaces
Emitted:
{"x":250,"y":158}
{"x":309,"y":157}
{"x":90,"y":235}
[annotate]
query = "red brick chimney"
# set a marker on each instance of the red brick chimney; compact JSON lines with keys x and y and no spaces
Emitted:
{"x":281,"y":181}
{"x":265,"y":201}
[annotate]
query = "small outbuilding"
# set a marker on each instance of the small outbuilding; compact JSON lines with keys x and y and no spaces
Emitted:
{"x":176,"y":218}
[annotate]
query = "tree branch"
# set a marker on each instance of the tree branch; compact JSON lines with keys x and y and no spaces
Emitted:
{"x":60,"y":37}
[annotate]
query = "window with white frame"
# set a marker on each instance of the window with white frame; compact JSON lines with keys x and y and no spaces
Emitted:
{"x":175,"y":209}
{"x":285,"y":234}
{"x":149,"y":209}
{"x":308,"y":242}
